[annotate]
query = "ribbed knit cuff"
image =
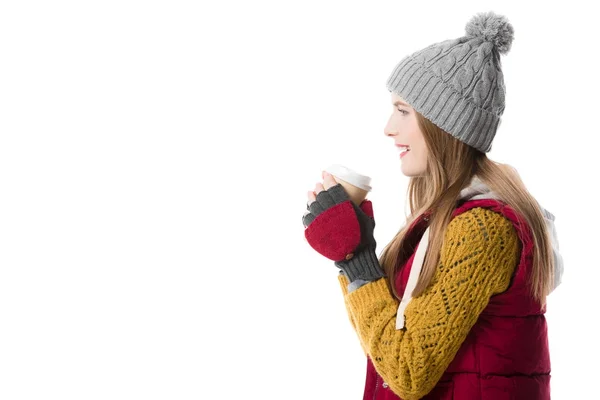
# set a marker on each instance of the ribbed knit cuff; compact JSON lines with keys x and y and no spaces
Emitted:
{"x":368,"y":294}
{"x":364,"y":265}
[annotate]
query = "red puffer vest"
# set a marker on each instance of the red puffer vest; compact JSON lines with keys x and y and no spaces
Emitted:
{"x":505,"y":355}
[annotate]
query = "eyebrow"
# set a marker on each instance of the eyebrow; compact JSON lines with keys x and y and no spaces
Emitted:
{"x":400,"y":103}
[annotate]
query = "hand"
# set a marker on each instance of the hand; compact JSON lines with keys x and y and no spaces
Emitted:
{"x":342,"y":231}
{"x":338,"y":195}
{"x":328,"y":182}
{"x":335,"y":226}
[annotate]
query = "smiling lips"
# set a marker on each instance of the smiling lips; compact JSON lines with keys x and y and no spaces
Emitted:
{"x":403,"y":148}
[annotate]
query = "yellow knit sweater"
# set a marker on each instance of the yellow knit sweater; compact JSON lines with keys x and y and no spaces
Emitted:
{"x":478,"y":257}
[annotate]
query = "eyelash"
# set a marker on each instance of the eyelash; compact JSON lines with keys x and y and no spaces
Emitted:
{"x":402,"y":111}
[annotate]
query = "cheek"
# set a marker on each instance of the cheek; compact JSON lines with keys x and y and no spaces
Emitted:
{"x":419,"y":153}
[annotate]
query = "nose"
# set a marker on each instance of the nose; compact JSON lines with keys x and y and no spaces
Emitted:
{"x":388,"y":130}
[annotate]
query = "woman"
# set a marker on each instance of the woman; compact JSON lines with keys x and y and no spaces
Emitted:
{"x":454,"y":307}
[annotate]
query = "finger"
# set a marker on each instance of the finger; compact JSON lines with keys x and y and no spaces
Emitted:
{"x":316,"y":207}
{"x":319,"y":188}
{"x":311,"y":197}
{"x":307,"y":218}
{"x":328,"y":180}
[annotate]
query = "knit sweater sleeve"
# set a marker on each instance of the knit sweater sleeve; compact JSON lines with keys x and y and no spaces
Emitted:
{"x":343,"y":279}
{"x":479,"y":254}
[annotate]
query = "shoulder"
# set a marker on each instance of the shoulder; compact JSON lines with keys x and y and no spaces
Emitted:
{"x":483,"y":245}
{"x":481,"y":228}
{"x":480,"y":220}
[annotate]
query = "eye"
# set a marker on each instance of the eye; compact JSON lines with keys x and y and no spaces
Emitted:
{"x":404,"y":112}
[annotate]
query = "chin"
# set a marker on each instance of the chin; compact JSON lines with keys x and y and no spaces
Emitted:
{"x":412,"y":173}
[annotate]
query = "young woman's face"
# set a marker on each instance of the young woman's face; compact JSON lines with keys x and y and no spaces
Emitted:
{"x":404,"y":129}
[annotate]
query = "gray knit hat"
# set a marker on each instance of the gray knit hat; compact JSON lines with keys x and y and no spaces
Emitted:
{"x":458,"y":84}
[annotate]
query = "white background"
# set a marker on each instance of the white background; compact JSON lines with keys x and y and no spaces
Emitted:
{"x":154,"y":163}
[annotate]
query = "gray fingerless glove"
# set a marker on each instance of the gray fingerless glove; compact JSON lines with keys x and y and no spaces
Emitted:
{"x":362,"y":264}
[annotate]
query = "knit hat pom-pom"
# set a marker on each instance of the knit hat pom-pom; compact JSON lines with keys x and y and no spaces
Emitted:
{"x":493,"y":28}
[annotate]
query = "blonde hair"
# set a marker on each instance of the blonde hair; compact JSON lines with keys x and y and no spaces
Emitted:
{"x":451,"y":165}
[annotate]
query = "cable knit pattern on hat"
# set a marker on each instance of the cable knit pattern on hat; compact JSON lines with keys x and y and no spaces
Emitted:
{"x":478,"y":257}
{"x":458,"y":84}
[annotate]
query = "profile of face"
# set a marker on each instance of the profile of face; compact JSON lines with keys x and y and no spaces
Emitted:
{"x":403,"y":128}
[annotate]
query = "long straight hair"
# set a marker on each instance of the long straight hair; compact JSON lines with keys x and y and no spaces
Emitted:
{"x":451,"y":165}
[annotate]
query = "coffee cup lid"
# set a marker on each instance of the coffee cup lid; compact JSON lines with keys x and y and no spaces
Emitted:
{"x":350,"y":176}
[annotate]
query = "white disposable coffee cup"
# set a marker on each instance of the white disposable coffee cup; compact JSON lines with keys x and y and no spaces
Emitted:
{"x":356,"y":185}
